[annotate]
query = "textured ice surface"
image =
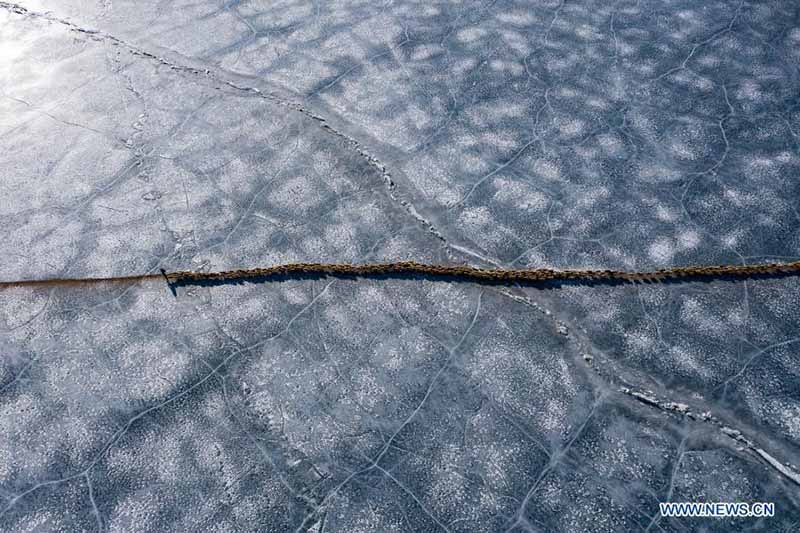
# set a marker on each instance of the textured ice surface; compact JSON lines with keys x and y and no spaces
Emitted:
{"x":208,"y":135}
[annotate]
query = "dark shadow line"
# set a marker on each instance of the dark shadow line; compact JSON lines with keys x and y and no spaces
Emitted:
{"x":457,"y":278}
{"x":169,"y":283}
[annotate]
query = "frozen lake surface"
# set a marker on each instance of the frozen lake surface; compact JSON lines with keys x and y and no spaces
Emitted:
{"x":209,"y":135}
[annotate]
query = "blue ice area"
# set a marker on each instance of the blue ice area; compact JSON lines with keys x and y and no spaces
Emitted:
{"x":211,"y":135}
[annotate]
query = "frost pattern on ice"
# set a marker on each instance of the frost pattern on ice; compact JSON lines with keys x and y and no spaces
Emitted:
{"x":208,"y":136}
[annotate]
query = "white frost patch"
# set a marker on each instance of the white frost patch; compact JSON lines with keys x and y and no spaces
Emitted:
{"x":518,"y":195}
{"x":698,"y":316}
{"x":476,"y":217}
{"x":504,"y":140}
{"x":359,"y":517}
{"x":790,"y":420}
{"x":497,"y":462}
{"x":688,"y":240}
{"x":611,"y":144}
{"x":655,"y":173}
{"x":731,"y":240}
{"x":639,"y":341}
{"x":426,"y":51}
{"x":687,"y":361}
{"x":681,"y":149}
{"x":749,"y":90}
{"x":666,"y":214}
{"x":572,"y":127}
{"x":297,"y":192}
{"x":741,"y":199}
{"x":517,"y":17}
{"x":592,"y":196}
{"x":5,"y":463}
{"x":586,"y":32}
{"x":296,"y":295}
{"x":662,"y":251}
{"x":451,"y":298}
{"x":151,"y":368}
{"x":512,"y":67}
{"x":449,"y":488}
{"x":463,"y":65}
{"x":140,"y":508}
{"x":468,"y":35}
{"x":547,"y":169}
{"x":344,"y":240}
{"x":508,"y":367}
